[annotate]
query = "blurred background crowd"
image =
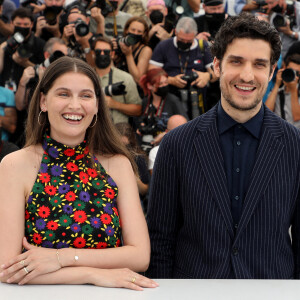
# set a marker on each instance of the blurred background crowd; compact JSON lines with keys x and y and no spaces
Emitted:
{"x":152,"y":57}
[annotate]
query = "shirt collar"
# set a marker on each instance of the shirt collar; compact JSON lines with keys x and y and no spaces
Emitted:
{"x":225,"y":122}
{"x":194,"y":45}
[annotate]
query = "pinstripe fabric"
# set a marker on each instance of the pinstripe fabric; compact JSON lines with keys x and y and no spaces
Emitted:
{"x":189,"y":217}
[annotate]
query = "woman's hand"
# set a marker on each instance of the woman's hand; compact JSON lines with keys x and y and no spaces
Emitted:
{"x":127,"y":50}
{"x":34,"y":262}
{"x":121,"y":278}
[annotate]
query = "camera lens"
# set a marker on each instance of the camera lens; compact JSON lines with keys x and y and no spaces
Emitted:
{"x":288,"y":75}
{"x":279,"y":21}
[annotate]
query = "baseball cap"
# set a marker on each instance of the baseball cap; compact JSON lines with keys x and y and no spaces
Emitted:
{"x":213,"y":2}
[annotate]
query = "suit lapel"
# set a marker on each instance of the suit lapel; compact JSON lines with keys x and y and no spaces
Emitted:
{"x":268,"y":153}
{"x":211,"y":159}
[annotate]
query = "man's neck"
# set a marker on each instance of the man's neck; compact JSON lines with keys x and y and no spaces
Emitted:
{"x":102,"y":72}
{"x":240,"y":116}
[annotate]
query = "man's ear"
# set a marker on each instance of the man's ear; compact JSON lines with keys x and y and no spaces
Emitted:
{"x":43,"y":103}
{"x":217,"y":67}
{"x":46,"y":54}
{"x":272,"y":72}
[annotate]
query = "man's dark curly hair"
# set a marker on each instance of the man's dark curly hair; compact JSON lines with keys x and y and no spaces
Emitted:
{"x":246,"y":26}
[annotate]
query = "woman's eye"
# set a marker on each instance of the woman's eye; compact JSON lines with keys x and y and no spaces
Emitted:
{"x":87,"y":96}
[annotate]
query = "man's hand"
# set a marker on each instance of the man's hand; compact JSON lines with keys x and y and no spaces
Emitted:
{"x":285,"y":29}
{"x":68,"y":31}
{"x":177,"y":81}
{"x":110,"y":102}
{"x":37,"y":8}
{"x":203,"y":36}
{"x":27,"y":75}
{"x":24,"y":62}
{"x":96,"y":15}
{"x":202,"y":80}
{"x":161,"y":33}
{"x":40,"y":24}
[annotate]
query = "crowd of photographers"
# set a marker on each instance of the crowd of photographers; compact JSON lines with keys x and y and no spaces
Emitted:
{"x":153,"y":59}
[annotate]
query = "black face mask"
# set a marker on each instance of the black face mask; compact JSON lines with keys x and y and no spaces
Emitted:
{"x":162,"y":91}
{"x":22,"y":30}
{"x":134,"y":38}
{"x":102,"y":60}
{"x":156,"y":17}
{"x":214,"y":22}
{"x":114,"y":4}
{"x":183,"y":46}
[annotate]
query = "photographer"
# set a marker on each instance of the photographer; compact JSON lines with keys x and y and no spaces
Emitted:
{"x":123,"y":105}
{"x":187,"y":61}
{"x":135,"y":54}
{"x":156,"y":13}
{"x":21,"y":50}
{"x":286,"y":19}
{"x":158,"y":106}
{"x":77,"y":34}
{"x":48,"y":24}
{"x":183,"y":8}
{"x":284,"y":98}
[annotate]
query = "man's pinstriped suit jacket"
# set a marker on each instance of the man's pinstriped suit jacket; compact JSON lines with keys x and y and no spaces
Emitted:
{"x":189,"y":217}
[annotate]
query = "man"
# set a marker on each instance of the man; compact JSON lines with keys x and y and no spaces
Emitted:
{"x":209,"y":23}
{"x":183,"y":55}
{"x":156,"y":13}
{"x":14,"y":59}
{"x":121,"y":106}
{"x":226,"y":186}
{"x":284,"y":99}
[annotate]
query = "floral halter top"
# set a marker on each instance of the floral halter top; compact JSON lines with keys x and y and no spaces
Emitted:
{"x":73,"y":201}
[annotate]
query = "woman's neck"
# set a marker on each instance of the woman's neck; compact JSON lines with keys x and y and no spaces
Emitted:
{"x":156,"y":100}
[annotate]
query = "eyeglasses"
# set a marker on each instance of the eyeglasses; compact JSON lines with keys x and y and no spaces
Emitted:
{"x":105,"y":51}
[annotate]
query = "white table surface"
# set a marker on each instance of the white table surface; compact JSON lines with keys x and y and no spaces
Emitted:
{"x":169,"y":289}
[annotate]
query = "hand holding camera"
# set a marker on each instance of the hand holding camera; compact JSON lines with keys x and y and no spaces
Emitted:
{"x":178,"y":81}
{"x":28,"y":73}
{"x":200,"y":78}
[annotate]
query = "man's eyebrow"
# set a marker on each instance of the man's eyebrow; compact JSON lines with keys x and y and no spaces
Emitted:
{"x":241,"y":58}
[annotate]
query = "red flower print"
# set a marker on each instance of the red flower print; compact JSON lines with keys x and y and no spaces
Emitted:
{"x":44,"y":211}
{"x":86,"y":150}
{"x":51,"y":190}
{"x":44,"y":177}
{"x":71,"y":167}
{"x":101,"y":245}
{"x":70,"y":196}
{"x":92,"y":172}
{"x":69,"y":152}
{"x":109,"y":193}
{"x":52,"y":225}
{"x":80,"y":216}
{"x":37,"y":238}
{"x":79,"y":242}
{"x":118,"y":243}
{"x":79,"y":156}
{"x":26,"y":214}
{"x":105,"y":218}
{"x":84,"y":177}
{"x":115,"y":211}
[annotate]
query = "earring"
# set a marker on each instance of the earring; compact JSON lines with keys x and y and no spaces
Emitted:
{"x":39,"y":118}
{"x":94,"y":122}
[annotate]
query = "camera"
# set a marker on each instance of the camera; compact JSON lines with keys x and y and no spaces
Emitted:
{"x":150,"y":126}
{"x":81,"y":28}
{"x":14,"y":42}
{"x":105,"y":7}
{"x":51,"y":13}
{"x":128,"y":40}
{"x":115,"y":89}
{"x":190,"y":78}
{"x":280,"y":20}
{"x":289,"y":75}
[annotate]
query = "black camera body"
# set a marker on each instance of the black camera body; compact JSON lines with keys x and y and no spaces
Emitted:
{"x":81,"y":28}
{"x":115,"y":89}
{"x":128,"y":40}
{"x":190,"y":78}
{"x":14,"y":42}
{"x":105,"y":7}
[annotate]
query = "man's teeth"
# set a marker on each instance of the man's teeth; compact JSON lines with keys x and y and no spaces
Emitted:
{"x":245,"y":88}
{"x":73,"y":117}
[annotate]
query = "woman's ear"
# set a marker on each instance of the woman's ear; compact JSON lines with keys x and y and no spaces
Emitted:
{"x":43,"y":103}
{"x":149,"y":86}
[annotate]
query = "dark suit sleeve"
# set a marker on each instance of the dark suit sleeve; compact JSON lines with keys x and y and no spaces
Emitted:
{"x":164,"y":212}
{"x":296,"y":237}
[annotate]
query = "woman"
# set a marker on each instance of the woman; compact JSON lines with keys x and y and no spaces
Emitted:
{"x":67,"y":190}
{"x":138,"y":55}
{"x":157,"y":106}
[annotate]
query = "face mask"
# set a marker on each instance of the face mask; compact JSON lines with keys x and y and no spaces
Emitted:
{"x":102,"y":60}
{"x":114,"y":4}
{"x":156,"y":17}
{"x":162,"y":91}
{"x":22,"y":30}
{"x":214,"y":22}
{"x":133,"y":39}
{"x":183,"y":46}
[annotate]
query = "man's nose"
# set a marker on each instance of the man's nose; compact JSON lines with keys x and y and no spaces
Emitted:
{"x":247,"y":73}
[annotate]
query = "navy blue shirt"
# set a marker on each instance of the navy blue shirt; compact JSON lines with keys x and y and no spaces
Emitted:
{"x":239,"y":143}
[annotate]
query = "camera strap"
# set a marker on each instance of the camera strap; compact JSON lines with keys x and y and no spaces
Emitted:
{"x":282,"y":103}
{"x":150,"y":107}
{"x":183,"y":66}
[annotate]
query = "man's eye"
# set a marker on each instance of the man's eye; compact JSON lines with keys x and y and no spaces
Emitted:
{"x":261,"y":65}
{"x":63,"y":94}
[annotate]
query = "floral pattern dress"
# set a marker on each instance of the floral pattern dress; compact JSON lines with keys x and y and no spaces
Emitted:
{"x":73,"y":201}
